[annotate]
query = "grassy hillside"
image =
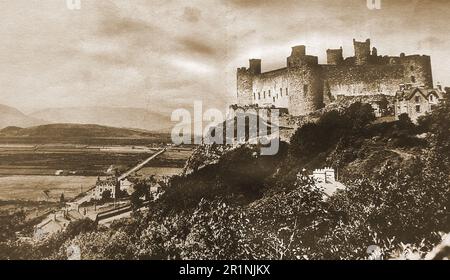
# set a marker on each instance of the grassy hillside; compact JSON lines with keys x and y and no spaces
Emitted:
{"x":73,"y":131}
{"x":80,"y":133}
{"x":241,"y":205}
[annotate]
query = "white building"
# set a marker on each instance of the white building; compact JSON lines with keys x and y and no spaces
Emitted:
{"x":127,"y":186}
{"x":326,"y":175}
{"x":101,"y":186}
{"x":326,"y":179}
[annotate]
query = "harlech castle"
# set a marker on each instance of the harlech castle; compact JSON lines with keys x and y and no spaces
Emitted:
{"x":304,"y":85}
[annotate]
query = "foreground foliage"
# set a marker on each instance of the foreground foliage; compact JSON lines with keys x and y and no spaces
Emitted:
{"x":248,"y":207}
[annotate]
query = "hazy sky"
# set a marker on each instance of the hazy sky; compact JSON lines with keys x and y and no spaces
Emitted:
{"x":163,"y":54}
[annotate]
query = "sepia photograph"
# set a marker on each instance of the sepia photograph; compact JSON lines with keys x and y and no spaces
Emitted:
{"x":224,"y":130}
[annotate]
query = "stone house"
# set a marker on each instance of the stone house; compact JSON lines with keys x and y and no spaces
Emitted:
{"x":417,"y":101}
{"x":109,"y":184}
{"x":126,"y":186}
{"x":326,"y":175}
{"x":326,"y":179}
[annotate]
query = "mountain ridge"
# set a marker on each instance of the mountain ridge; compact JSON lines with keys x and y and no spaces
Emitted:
{"x":10,"y":116}
{"x":65,"y":130}
{"x":123,"y":117}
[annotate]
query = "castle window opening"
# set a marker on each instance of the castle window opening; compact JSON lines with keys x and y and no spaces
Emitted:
{"x":431,"y":98}
{"x":417,"y":99}
{"x":259,"y":95}
{"x":287,"y":92}
{"x":417,"y":108}
{"x":413,"y":79}
{"x":273,"y":99}
{"x":305,"y":89}
{"x":254,"y":96}
{"x":264,"y":95}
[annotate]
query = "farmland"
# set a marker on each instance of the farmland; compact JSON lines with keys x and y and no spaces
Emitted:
{"x":80,"y":160}
{"x":27,"y":170}
{"x":68,"y":158}
{"x":31,"y":188}
{"x":72,"y":159}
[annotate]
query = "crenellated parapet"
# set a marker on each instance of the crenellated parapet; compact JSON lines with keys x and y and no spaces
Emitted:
{"x":304,"y":85}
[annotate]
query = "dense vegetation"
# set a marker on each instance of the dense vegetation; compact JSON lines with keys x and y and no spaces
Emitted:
{"x":246,"y":206}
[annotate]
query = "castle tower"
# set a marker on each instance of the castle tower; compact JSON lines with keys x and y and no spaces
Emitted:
{"x":417,"y":70}
{"x":255,"y":66}
{"x":305,"y":82}
{"x":298,"y":57}
{"x":245,"y":82}
{"x":335,"y":56}
{"x":362,"y":52}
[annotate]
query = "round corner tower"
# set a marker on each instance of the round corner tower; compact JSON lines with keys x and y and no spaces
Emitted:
{"x":245,"y":82}
{"x":305,"y":83}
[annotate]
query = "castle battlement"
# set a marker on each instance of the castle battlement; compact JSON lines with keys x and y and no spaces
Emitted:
{"x":323,"y":170}
{"x":304,"y":85}
{"x":325,"y":175}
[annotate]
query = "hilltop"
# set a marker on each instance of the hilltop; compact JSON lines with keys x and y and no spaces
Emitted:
{"x":10,"y":116}
{"x":73,"y":131}
{"x":89,"y":134}
{"x":108,"y":116}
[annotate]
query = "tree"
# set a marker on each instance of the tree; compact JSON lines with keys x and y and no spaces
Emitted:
{"x":404,"y":122}
{"x":141,"y":190}
{"x":62,"y":200}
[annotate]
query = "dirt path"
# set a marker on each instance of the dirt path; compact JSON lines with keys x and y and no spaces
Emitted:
{"x":402,"y":154}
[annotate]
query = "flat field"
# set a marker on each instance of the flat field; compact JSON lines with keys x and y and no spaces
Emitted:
{"x":31,"y":188}
{"x":76,"y":160}
{"x":27,"y":170}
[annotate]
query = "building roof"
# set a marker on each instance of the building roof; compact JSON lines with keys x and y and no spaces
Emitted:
{"x":106,"y":182}
{"x":407,"y":94}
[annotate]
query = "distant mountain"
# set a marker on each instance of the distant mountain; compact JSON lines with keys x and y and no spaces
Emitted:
{"x":10,"y":116}
{"x":108,"y":116}
{"x":74,"y":131}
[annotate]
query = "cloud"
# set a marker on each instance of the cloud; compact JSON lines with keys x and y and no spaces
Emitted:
{"x":256,"y":3}
{"x":191,"y":14}
{"x":125,"y":26}
{"x":432,"y":41}
{"x":165,"y":54}
{"x":197,"y":46}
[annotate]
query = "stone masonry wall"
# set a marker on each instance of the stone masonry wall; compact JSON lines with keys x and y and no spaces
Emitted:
{"x":244,"y":87}
{"x":306,"y":87}
{"x":363,"y":79}
{"x":271,"y":88}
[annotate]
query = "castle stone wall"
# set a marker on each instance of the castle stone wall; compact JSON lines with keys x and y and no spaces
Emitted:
{"x":244,"y":87}
{"x":363,"y":80}
{"x":270,"y":89}
{"x":305,"y":86}
{"x":418,"y":70}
